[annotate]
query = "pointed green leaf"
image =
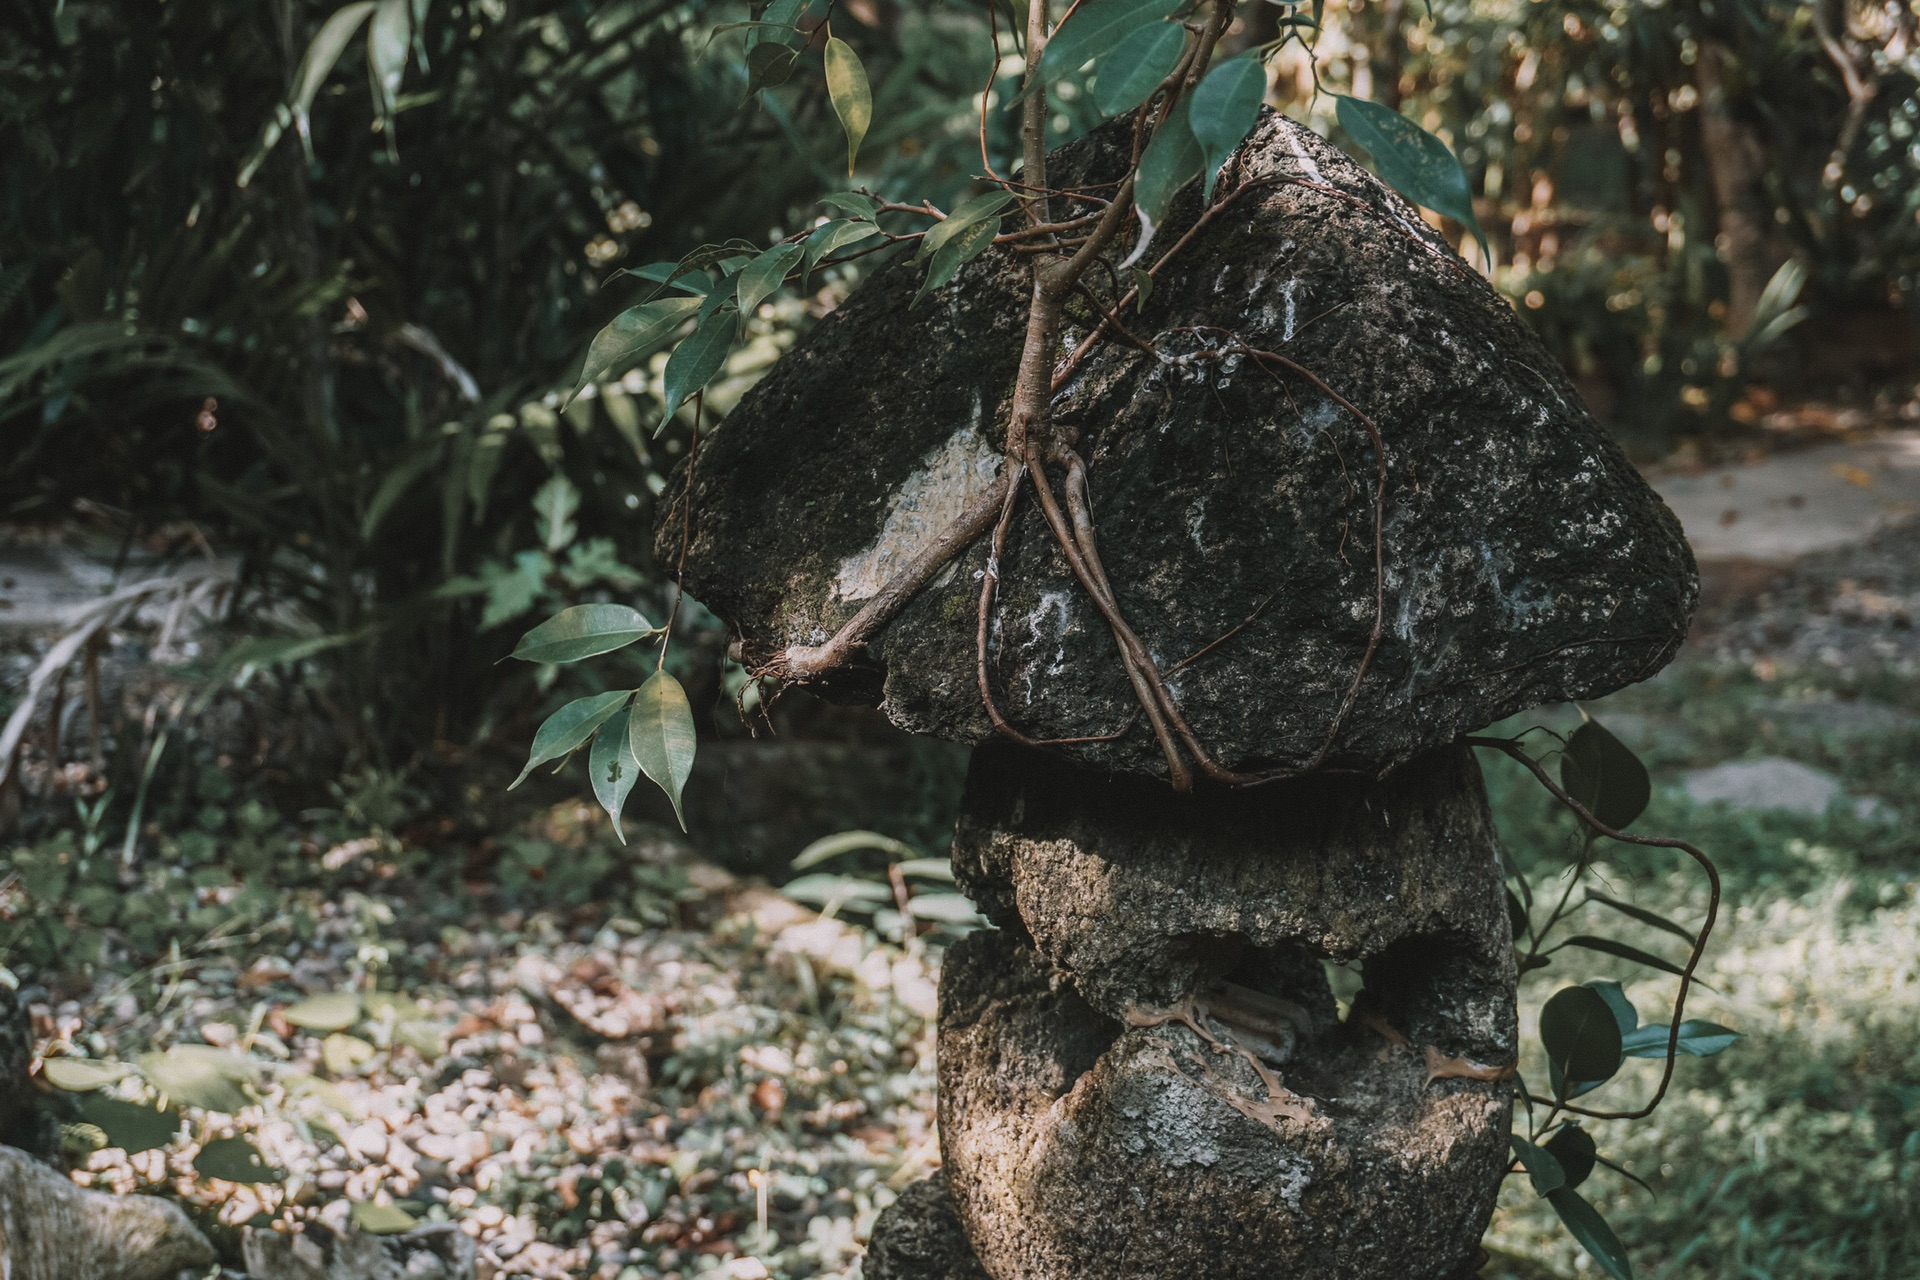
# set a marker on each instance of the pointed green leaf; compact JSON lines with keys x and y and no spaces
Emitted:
{"x":822,"y":890}
{"x":321,"y":55}
{"x":944,"y":908}
{"x":389,"y":38}
{"x":1603,"y":774}
{"x":631,"y":335}
{"x":1096,"y":27}
{"x":1411,"y":161}
{"x":956,"y":253}
{"x":614,"y":770}
{"x":853,"y":203}
{"x":583,"y":631}
{"x":1698,"y":1039}
{"x":566,"y":729}
{"x":1542,"y":1169}
{"x":928,"y":869}
{"x":827,"y":848}
{"x":769,"y":66}
{"x":1172,"y":160}
{"x":382,"y":1219}
{"x":661,"y":734}
{"x":851,"y":96}
{"x":202,"y":1076}
{"x":1226,"y":104}
{"x":1586,"y":1225}
{"x":1643,"y":915}
{"x":1607,"y":946}
{"x":335,"y":1011}
{"x":1573,"y":1148}
{"x":696,"y":360}
{"x":130,"y":1126}
{"x":762,"y":276}
{"x":1581,"y":1035}
{"x":1137,"y":65}
{"x":235,"y":1160}
{"x":970,"y":214}
{"x":82,"y":1075}
{"x":831,"y":237}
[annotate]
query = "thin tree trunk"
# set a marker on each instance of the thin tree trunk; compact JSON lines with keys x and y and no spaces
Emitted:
{"x":1734,"y":165}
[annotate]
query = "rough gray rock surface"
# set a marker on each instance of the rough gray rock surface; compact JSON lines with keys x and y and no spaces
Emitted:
{"x":1077,"y":1147}
{"x":1526,"y":560}
{"x":436,"y":1252}
{"x":919,"y":1237}
{"x":53,"y":1230}
{"x":1146,"y":896}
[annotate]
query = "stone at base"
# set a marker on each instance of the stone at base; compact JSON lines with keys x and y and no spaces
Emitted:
{"x":919,"y":1237}
{"x":52,"y":1230}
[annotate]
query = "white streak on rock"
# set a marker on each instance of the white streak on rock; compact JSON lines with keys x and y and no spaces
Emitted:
{"x":931,"y":499}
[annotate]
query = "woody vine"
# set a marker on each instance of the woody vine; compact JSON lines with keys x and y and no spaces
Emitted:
{"x":1154,"y":60}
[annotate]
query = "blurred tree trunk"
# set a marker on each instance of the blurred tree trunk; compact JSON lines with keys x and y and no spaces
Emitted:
{"x":1390,"y":55}
{"x":1735,"y":166}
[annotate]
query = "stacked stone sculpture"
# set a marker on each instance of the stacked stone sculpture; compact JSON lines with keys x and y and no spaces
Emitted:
{"x":1243,"y":1033}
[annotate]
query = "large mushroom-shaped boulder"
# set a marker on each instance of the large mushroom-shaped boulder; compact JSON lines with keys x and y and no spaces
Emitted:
{"x":1522,"y":558}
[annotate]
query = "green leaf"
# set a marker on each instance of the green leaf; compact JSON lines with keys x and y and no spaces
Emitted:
{"x":826,"y":848}
{"x":1580,"y":1033}
{"x":1226,"y":104}
{"x":668,"y":273}
{"x":831,"y":237}
{"x":944,"y":908}
{"x":762,"y":276}
{"x":826,"y":890}
{"x":695,"y":361}
{"x":1642,"y":915}
{"x":335,"y":1011}
{"x":393,"y":488}
{"x":1137,"y":65}
{"x":82,"y":1075}
{"x":957,"y":252}
{"x":928,"y":869}
{"x":235,"y":1160}
{"x":852,"y":98}
{"x":566,"y":729}
{"x":854,"y":203}
{"x":1625,"y":1016}
{"x":343,"y":1054}
{"x":130,"y":1126}
{"x":1608,"y":946}
{"x":202,"y":1076}
{"x":1412,"y":161}
{"x":1143,"y":285}
{"x":969,"y":214}
{"x":382,"y":1219}
{"x":389,"y":38}
{"x":614,"y":769}
{"x":1698,"y":1039}
{"x":583,"y":631}
{"x":632,"y":335}
{"x":1096,"y":27}
{"x":1586,"y":1225}
{"x":1172,"y":160}
{"x":321,"y":55}
{"x":1604,"y":775}
{"x":770,"y":65}
{"x":1573,"y":1148}
{"x":554,"y":503}
{"x":660,"y":731}
{"x":1542,"y":1169}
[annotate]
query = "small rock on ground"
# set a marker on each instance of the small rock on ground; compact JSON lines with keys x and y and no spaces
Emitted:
{"x":1772,"y":783}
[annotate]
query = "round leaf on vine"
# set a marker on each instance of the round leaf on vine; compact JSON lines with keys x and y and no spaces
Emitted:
{"x":1573,"y":1148}
{"x":1581,"y":1035}
{"x":1604,"y":775}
